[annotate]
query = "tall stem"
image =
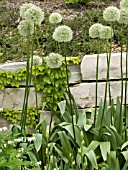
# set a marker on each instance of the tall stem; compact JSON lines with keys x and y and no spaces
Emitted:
{"x":125,"y":98}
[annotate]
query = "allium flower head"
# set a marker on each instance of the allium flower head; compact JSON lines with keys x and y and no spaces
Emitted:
{"x":36,"y":60}
{"x":94,"y":30}
{"x":63,"y":33}
{"x":111,"y":13}
{"x":26,"y":28}
{"x":123,"y":16}
{"x":35,"y":15}
{"x":24,"y":8}
{"x":55,"y":18}
{"x":106,"y":32}
{"x":54,"y":60}
{"x":124,"y":4}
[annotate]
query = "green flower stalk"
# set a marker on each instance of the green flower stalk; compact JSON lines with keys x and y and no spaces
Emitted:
{"x":107,"y":33}
{"x":34,"y":62}
{"x":94,"y":32}
{"x":53,"y":61}
{"x":55,"y":18}
{"x":111,"y":14}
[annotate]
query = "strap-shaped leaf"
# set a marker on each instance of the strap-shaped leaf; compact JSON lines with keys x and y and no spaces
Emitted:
{"x":37,"y":141}
{"x":105,"y":149}
{"x":92,"y":158}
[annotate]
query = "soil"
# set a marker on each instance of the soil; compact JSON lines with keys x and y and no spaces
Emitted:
{"x":61,"y":6}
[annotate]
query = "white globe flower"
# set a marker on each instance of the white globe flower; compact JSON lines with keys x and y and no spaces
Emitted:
{"x":26,"y":28}
{"x":111,"y":14}
{"x":124,"y":4}
{"x":36,"y":60}
{"x":54,"y":60}
{"x":62,"y":33}
{"x":94,"y":30}
{"x":35,"y":15}
{"x":24,"y":8}
{"x":123,"y":16}
{"x":106,"y":32}
{"x":55,"y":18}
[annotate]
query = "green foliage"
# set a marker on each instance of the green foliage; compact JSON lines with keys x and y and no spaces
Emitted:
{"x":76,"y":1}
{"x":14,"y":116}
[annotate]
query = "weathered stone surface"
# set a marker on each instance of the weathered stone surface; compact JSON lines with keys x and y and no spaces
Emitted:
{"x":84,"y":93}
{"x":75,"y":74}
{"x":13,"y":98}
{"x":88,"y":66}
{"x":12,"y":67}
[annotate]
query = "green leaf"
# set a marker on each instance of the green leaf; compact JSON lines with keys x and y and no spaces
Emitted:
{"x":125,"y":154}
{"x":112,"y":161}
{"x":118,"y":118}
{"x":93,"y":145}
{"x":92,"y":158}
{"x":125,"y":167}
{"x":37,"y":141}
{"x":105,"y":149}
{"x":124,"y":145}
{"x":62,"y":106}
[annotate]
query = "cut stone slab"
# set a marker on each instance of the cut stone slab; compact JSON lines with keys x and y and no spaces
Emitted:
{"x":13,"y":98}
{"x":84,"y":93}
{"x":12,"y":67}
{"x":88,"y":66}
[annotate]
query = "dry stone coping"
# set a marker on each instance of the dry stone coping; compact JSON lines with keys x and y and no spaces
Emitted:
{"x":84,"y":93}
{"x":88,"y":66}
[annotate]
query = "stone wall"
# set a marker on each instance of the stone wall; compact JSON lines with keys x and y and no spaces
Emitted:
{"x":82,"y":82}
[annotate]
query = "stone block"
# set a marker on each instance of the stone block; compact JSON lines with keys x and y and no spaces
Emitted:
{"x":84,"y":93}
{"x":88,"y":66}
{"x":13,"y":98}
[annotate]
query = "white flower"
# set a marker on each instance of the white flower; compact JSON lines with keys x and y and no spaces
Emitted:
{"x":55,"y":18}
{"x":24,"y":8}
{"x":62,"y":33}
{"x":106,"y":32}
{"x":26,"y":28}
{"x":4,"y":128}
{"x":4,"y":145}
{"x":18,"y":140}
{"x":54,"y":60}
{"x":123,"y":16}
{"x":18,"y":155}
{"x":10,"y":142}
{"x":35,"y":15}
{"x":124,"y":4}
{"x":36,"y":60}
{"x":111,"y":13}
{"x":30,"y":139}
{"x":21,"y":150}
{"x":38,"y":163}
{"x":94,"y":30}
{"x":1,"y":109}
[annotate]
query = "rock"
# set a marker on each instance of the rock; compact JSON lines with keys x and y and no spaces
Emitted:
{"x":88,"y":66}
{"x":13,"y":98}
{"x":84,"y":93}
{"x":12,"y":67}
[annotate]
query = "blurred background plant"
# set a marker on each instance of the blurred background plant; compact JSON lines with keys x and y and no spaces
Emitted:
{"x":78,"y":16}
